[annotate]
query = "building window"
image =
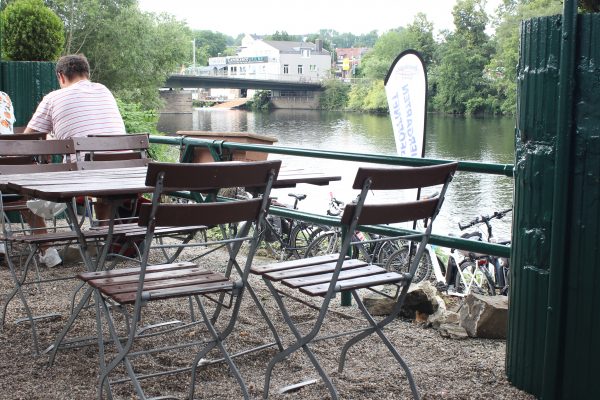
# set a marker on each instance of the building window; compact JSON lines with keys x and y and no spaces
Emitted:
{"x":313,"y":67}
{"x":286,"y":69}
{"x":305,"y":53}
{"x":299,"y":69}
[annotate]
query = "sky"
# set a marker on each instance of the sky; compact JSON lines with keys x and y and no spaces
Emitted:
{"x":260,"y":17}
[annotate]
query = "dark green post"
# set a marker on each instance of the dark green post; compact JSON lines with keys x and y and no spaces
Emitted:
{"x":554,"y":310}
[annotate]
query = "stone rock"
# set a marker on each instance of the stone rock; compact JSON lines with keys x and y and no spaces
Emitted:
{"x":378,"y":305}
{"x":421,"y":297}
{"x":445,"y":317}
{"x":485,"y":316}
{"x":453,"y":331}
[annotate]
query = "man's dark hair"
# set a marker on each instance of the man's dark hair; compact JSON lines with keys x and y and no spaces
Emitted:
{"x":72,"y":66}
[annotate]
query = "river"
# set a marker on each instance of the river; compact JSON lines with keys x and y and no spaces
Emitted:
{"x":447,"y":137}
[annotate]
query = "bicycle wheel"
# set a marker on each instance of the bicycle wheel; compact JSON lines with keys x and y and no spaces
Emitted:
{"x":384,"y":250}
{"x":324,"y":243}
{"x":399,"y":262}
{"x":471,"y":279}
{"x":303,"y":233}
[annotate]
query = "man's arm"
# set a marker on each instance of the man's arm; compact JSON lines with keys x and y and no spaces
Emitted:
{"x":29,"y":130}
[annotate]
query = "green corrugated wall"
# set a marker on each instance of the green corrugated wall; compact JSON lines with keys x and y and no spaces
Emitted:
{"x":556,"y":359}
{"x":26,"y":82}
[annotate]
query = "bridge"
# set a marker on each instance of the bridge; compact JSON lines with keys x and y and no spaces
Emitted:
{"x":257,"y":82}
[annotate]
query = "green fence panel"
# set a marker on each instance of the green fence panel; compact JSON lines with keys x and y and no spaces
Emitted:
{"x":27,"y":82}
{"x":532,"y":219}
{"x":580,"y":347}
{"x":552,"y":349}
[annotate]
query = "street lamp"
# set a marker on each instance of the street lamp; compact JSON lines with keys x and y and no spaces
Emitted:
{"x":194,"y":53}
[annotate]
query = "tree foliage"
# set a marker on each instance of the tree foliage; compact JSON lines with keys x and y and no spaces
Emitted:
{"x":460,"y":85}
{"x":283,"y":36}
{"x":335,"y":95}
{"x":503,"y":64}
{"x":210,"y":44}
{"x":129,"y":51}
{"x":31,"y":31}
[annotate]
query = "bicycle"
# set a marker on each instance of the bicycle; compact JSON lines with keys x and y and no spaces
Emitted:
{"x":370,"y":247}
{"x":476,"y":272}
{"x":288,"y":238}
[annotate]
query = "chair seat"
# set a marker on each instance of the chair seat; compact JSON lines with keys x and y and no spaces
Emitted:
{"x":313,"y":275}
{"x":160,"y":282}
{"x":122,"y":230}
{"x":132,"y":230}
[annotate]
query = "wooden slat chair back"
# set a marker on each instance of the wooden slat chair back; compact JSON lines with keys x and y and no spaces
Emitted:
{"x":111,"y":148}
{"x":139,"y":286}
{"x":25,"y":136}
{"x":117,"y":163}
{"x":17,"y":160}
{"x":31,"y":151}
{"x":324,"y":276}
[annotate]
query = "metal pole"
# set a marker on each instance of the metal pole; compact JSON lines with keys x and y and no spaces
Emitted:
{"x":194,"y":54}
{"x":553,"y":355}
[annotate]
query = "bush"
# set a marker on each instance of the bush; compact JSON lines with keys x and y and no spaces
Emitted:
{"x":260,"y":101}
{"x":138,"y":120}
{"x":335,"y":95}
{"x":32,"y":32}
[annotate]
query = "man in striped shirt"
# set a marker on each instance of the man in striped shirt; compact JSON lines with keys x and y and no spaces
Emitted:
{"x":80,"y":107}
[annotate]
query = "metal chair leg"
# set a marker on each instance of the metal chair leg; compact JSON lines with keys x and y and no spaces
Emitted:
{"x":301,"y":342}
{"x":377,"y":327}
{"x":218,"y":340}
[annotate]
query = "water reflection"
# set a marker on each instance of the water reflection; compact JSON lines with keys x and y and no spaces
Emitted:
{"x":453,"y":138}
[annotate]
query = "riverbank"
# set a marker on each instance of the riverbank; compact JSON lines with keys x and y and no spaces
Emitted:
{"x":443,"y":368}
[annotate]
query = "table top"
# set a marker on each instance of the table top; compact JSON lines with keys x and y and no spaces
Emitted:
{"x":64,"y":185}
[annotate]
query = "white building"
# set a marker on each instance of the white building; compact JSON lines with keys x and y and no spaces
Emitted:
{"x":271,"y":59}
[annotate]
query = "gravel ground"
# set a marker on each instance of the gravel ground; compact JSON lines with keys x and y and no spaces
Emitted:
{"x":443,"y":368}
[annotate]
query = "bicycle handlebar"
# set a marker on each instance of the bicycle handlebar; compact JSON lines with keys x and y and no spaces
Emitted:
{"x":484,"y":219}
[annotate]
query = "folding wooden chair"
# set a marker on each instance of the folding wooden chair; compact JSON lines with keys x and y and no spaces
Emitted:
{"x":138,"y":287}
{"x":324,"y":276}
{"x":30,"y":150}
{"x":110,"y":151}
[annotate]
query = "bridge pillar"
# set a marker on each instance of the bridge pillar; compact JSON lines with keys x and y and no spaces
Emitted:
{"x":308,"y":102}
{"x":176,"y":101}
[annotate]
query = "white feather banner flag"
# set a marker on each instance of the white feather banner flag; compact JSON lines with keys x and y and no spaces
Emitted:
{"x":406,"y":91}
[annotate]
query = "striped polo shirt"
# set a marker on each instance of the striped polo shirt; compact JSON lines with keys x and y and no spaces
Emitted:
{"x":81,"y":109}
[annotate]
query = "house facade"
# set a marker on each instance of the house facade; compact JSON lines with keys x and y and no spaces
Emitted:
{"x":278,"y":60}
{"x":271,"y":59}
{"x":347,"y":60}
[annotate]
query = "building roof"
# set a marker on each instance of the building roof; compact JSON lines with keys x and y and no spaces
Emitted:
{"x":293,"y":47}
{"x":351,"y":52}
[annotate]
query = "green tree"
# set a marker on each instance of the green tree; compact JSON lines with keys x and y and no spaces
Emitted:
{"x":83,"y":19}
{"x":502,"y":68}
{"x":335,"y":95}
{"x":283,"y":36}
{"x":420,"y":37}
{"x":130,"y":52}
{"x":460,"y":85}
{"x":31,"y":31}
{"x":144,"y":49}
{"x":210,"y":44}
{"x":417,"y":36}
{"x":376,"y":63}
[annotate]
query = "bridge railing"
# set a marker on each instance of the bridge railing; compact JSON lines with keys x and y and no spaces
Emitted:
{"x":187,"y":144}
{"x":204,"y":71}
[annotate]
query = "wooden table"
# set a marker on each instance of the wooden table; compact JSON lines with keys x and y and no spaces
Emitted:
{"x":118,"y":182}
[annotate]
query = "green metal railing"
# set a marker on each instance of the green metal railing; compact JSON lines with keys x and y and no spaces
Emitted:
{"x":216,"y":147}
